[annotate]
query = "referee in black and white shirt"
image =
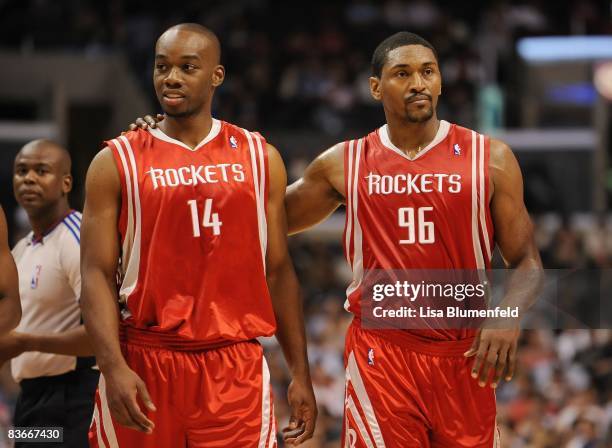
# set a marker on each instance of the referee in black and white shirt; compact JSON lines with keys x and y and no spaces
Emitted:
{"x":51,"y":355}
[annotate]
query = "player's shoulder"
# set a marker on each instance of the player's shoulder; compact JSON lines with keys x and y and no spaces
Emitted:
{"x":497,"y":147}
{"x":232,"y":129}
{"x":130,"y":139}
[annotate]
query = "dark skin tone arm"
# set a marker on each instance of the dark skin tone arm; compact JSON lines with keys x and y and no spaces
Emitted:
{"x":318,"y":193}
{"x":10,"y":306}
{"x":495,"y":349}
{"x":73,"y":342}
{"x":125,"y":390}
{"x":287,"y":304}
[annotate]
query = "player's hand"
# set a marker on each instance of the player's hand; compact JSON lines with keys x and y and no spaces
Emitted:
{"x":123,"y":388}
{"x":495,"y":353}
{"x":303,"y":412}
{"x":147,"y":121}
{"x":11,"y":345}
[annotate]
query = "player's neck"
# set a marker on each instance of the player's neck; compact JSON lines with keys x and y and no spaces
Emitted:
{"x":189,"y":130}
{"x":44,"y":219}
{"x":412,"y":137}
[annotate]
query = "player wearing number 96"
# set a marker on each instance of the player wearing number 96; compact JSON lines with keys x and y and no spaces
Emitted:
{"x":184,"y":265}
{"x":420,"y":193}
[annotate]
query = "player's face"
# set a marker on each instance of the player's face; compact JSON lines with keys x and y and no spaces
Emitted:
{"x":410,"y":83}
{"x":39,"y":180}
{"x":186,"y":72}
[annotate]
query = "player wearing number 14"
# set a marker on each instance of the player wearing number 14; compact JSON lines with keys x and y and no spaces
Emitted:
{"x":191,"y":216}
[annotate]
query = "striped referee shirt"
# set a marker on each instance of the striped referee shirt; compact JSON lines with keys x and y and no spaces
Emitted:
{"x":50,"y":287}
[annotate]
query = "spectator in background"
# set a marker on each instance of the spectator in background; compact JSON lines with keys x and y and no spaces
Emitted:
{"x":53,"y":360}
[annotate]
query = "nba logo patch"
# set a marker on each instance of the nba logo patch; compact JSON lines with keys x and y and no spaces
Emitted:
{"x":233,"y":142}
{"x":35,"y":277}
{"x":457,"y":149}
{"x":371,"y":357}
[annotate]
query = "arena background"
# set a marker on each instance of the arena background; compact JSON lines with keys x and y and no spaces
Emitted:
{"x":80,"y":72}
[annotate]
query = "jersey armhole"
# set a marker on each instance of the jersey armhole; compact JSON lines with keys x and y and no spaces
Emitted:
{"x":123,"y":214}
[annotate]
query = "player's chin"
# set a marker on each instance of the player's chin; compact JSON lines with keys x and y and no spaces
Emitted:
{"x":176,"y":112}
{"x":420,"y":116}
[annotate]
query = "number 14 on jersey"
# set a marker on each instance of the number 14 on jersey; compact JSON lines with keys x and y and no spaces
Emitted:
{"x":209,"y":219}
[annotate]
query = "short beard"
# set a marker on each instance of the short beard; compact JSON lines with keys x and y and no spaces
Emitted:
{"x":421,"y":118}
{"x":184,"y":114}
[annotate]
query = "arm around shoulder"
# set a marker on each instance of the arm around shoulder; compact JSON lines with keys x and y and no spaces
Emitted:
{"x":319,"y":192}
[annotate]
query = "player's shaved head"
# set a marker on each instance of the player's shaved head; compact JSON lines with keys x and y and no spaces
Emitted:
{"x":211,"y":38}
{"x":51,"y":149}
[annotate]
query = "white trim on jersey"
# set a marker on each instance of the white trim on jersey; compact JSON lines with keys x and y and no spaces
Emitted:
{"x":129,"y":231}
{"x":357,"y":238}
{"x":259,"y":201}
{"x":352,"y":408}
{"x":265,"y":404}
{"x":262,"y":195}
{"x":214,"y":131}
{"x":475,"y":233}
{"x":483,"y":221}
{"x":349,"y":206}
{"x":96,"y":421}
{"x":354,"y":377}
{"x":106,"y":422}
{"x":130,"y":279}
{"x":383,"y":133}
{"x":272,"y":438}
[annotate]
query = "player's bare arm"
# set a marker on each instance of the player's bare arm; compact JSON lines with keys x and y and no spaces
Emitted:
{"x":318,"y":193}
{"x":10,"y":306}
{"x":287,"y":304}
{"x":73,"y":342}
{"x":495,"y":349}
{"x":99,"y":302}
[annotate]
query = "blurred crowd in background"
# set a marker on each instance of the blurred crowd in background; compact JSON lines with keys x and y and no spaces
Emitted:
{"x":305,"y":65}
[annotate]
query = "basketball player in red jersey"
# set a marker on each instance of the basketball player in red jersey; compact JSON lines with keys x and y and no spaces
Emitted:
{"x":420,"y":193}
{"x":184,"y":265}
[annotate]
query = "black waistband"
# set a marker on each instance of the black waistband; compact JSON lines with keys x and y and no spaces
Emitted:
{"x":46,"y":381}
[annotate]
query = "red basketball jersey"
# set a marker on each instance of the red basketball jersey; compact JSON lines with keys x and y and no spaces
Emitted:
{"x":193,"y":235}
{"x":430,"y":212}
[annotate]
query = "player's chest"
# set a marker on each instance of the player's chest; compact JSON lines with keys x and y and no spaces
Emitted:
{"x":216,"y":175}
{"x":392,"y":181}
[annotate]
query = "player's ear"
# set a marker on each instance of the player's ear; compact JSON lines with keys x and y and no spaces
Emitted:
{"x":375,"y":88}
{"x":67,"y":184}
{"x":218,"y":75}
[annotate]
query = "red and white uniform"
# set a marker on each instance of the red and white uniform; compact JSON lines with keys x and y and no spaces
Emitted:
{"x":412,"y":388}
{"x":192,"y":288}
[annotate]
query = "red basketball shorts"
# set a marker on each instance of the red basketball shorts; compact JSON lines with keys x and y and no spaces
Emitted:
{"x":417,"y":396}
{"x":215,"y":398}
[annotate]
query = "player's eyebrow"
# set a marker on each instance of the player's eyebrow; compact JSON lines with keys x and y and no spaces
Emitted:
{"x":404,"y":65}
